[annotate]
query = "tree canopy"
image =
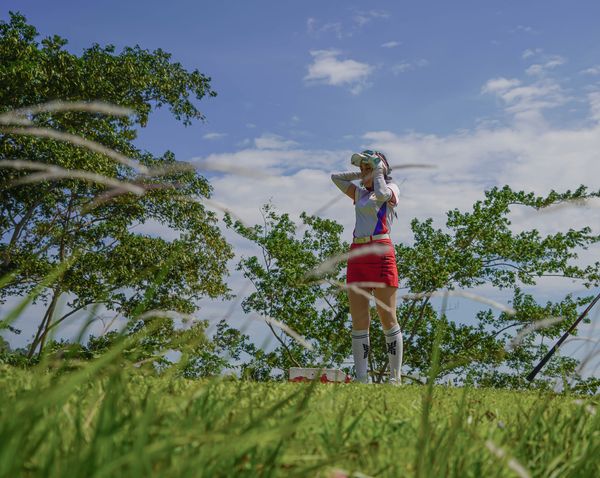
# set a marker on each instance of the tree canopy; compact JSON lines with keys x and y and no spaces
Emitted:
{"x":477,"y":247}
{"x":57,"y":220}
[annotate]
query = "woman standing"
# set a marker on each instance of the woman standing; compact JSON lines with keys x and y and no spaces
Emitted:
{"x":374,"y":202}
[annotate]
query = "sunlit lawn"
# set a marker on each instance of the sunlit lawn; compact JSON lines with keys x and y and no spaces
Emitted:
{"x":117,"y":421}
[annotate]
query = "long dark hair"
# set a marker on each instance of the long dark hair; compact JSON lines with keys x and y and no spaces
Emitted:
{"x":386,"y":176}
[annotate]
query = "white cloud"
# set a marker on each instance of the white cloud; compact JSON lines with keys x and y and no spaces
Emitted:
{"x":334,"y":27}
{"x":533,"y":160}
{"x":531,"y":52}
{"x":314,"y":28}
{"x":594,"y":99}
{"x":390,"y":44}
{"x":594,"y":71}
{"x":402,"y":68}
{"x":535,"y":69}
{"x":362,"y":18}
{"x":526,"y":102}
{"x":306,"y":189}
{"x":542,"y":68}
{"x":555,"y":61}
{"x":214,"y":136}
{"x":548,"y":94}
{"x":499,"y":85}
{"x":271,"y":155}
{"x":327,"y":69}
{"x":273,"y":141}
{"x":525,"y":29}
{"x":536,"y":159}
{"x":346,"y":28}
{"x":409,"y":66}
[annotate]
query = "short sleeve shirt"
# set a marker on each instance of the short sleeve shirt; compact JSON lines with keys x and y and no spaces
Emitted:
{"x":373,"y":216}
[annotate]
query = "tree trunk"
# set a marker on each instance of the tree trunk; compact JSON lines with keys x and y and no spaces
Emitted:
{"x":46,"y":323}
{"x":414,"y":328}
{"x":40,"y":336}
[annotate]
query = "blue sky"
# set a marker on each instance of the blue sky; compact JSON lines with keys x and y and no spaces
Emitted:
{"x":490,"y":92}
{"x":420,"y":65}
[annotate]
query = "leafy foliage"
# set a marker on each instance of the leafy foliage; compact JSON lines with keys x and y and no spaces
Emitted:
{"x":476,"y":248}
{"x":480,"y":248}
{"x":53,"y":221}
{"x":317,"y":311}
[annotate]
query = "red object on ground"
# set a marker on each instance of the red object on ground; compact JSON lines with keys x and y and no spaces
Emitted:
{"x":322,"y":379}
{"x":323,"y":375}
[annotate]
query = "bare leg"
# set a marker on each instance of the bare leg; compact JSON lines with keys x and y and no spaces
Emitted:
{"x":359,"y":308}
{"x":387,"y":295}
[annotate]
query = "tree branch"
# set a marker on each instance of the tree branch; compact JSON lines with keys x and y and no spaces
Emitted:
{"x":500,"y":264}
{"x":17,"y":233}
{"x":421,"y":312}
{"x":71,"y":312}
{"x":506,"y":328}
{"x":408,"y":313}
{"x":47,"y":232}
{"x":284,"y":345}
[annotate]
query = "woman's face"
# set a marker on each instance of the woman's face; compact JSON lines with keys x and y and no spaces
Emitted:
{"x":366,"y":174}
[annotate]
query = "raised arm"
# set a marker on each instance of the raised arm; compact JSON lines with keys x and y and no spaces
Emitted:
{"x":344,"y":182}
{"x":380,"y":188}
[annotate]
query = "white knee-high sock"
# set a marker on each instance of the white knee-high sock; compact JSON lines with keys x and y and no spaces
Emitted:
{"x":393,"y":341}
{"x":360,"y":350}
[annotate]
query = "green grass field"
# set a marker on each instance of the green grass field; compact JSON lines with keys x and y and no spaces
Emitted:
{"x":109,"y":420}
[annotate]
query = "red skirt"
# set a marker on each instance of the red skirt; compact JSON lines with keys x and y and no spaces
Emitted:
{"x":380,"y":268}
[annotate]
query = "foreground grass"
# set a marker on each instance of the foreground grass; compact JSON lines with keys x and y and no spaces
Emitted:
{"x":115,"y":421}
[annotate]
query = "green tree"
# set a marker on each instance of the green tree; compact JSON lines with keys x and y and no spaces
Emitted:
{"x":477,"y":248}
{"x":53,"y":221}
{"x":229,"y":349}
{"x":317,"y":311}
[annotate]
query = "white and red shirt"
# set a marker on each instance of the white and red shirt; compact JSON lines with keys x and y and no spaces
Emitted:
{"x":373,"y":216}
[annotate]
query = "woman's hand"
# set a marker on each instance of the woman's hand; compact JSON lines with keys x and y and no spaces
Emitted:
{"x":369,"y":157}
{"x":376,"y":163}
{"x":356,"y":159}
